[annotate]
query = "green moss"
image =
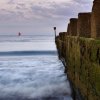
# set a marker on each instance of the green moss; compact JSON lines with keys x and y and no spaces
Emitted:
{"x":83,"y":59}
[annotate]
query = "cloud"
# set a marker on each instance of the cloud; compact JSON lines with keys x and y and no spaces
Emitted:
{"x":82,"y":1}
{"x":41,"y":8}
{"x":45,"y":11}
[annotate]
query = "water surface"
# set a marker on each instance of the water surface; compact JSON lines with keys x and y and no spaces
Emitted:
{"x":31,"y":70}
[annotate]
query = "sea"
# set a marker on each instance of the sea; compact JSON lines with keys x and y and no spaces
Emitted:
{"x":31,"y":70}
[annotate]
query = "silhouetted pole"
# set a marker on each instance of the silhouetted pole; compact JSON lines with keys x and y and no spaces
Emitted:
{"x":55,"y":31}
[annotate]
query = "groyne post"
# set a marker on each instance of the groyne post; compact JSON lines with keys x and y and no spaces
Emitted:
{"x":82,"y":53}
{"x":84,"y":25}
{"x":95,"y":25}
{"x":68,"y":29}
{"x":73,"y":27}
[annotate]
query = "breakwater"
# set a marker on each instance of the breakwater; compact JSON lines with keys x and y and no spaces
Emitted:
{"x":79,"y":49}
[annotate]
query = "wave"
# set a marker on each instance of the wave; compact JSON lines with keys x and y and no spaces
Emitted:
{"x":26,"y":53}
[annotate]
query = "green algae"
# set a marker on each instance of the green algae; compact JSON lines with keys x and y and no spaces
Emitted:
{"x":82,"y":56}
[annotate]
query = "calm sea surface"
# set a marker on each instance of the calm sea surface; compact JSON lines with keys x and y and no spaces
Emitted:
{"x":31,"y":70}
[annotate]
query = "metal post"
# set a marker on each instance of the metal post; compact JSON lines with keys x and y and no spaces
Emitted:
{"x":55,"y":31}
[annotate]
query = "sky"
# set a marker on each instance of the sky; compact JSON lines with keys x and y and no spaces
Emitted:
{"x":38,"y":17}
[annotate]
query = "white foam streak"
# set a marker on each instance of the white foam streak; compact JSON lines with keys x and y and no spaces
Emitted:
{"x":33,"y":78}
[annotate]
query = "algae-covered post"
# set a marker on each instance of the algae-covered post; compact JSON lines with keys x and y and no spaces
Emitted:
{"x":81,"y":54}
{"x":95,"y":25}
{"x":68,"y":29}
{"x":84,"y":25}
{"x":73,"y":26}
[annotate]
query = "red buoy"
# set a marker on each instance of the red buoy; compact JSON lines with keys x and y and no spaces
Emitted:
{"x":19,"y":34}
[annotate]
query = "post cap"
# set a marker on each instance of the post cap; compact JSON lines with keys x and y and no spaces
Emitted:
{"x":54,"y":28}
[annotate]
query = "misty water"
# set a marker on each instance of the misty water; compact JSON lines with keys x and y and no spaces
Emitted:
{"x":30,"y":69}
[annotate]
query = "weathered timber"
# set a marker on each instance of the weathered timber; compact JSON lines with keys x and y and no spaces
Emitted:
{"x":84,"y":25}
{"x":95,"y":25}
{"x":73,"y":27}
{"x":81,"y":54}
{"x":68,"y":29}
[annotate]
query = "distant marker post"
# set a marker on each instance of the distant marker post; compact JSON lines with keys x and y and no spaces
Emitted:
{"x":55,"y":31}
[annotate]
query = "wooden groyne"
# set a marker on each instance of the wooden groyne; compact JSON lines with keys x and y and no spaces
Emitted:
{"x":79,"y":48}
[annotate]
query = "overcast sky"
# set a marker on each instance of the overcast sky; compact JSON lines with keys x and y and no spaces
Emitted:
{"x":39,"y":16}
